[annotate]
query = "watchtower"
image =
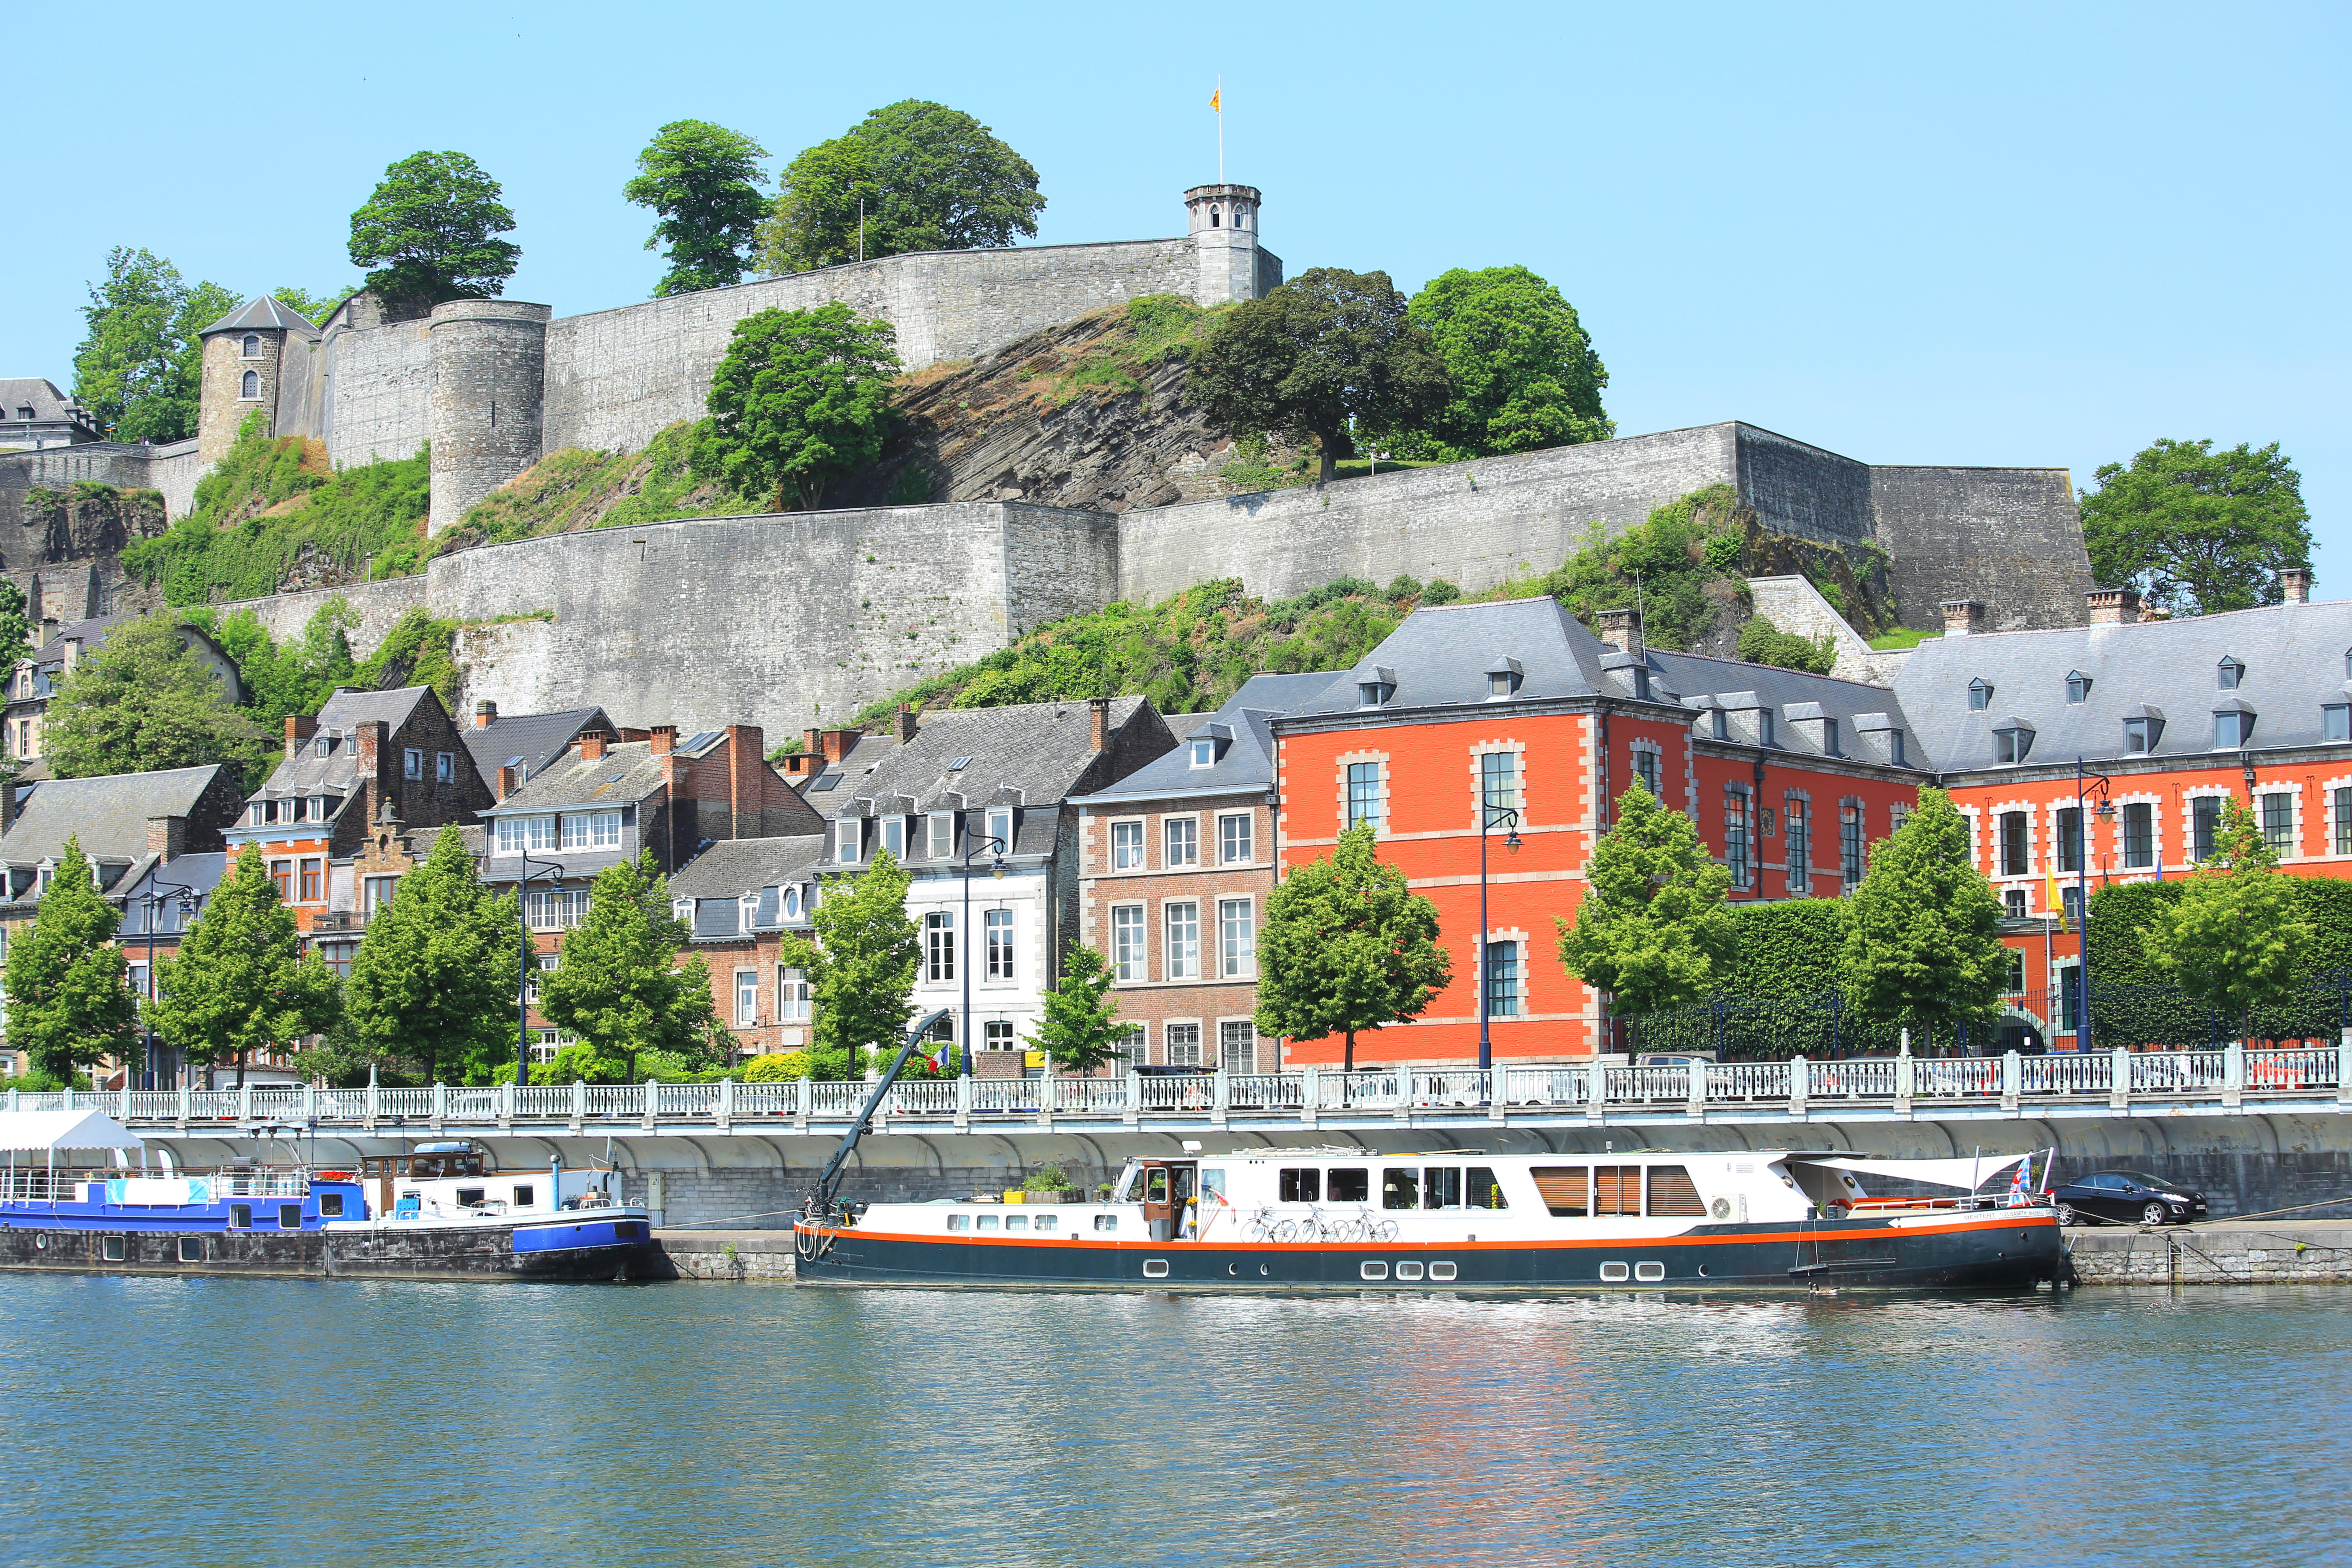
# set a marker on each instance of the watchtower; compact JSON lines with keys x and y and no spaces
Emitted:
{"x":1224,"y":239}
{"x":244,"y":364}
{"x":485,"y":408}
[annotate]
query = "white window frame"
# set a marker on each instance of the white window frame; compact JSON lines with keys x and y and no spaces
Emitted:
{"x":792,"y":995}
{"x":1247,"y":822}
{"x":939,"y":946}
{"x":942,"y":836}
{"x":1237,"y":1055}
{"x":894,"y":836}
{"x":1170,"y":1045}
{"x":747,"y":999}
{"x":849,"y":840}
{"x":1179,"y":953}
{"x":1000,"y":827}
{"x":997,"y":924}
{"x":1172,"y":830}
{"x":1237,"y":937}
{"x":1130,"y":943}
{"x":1127,"y":845}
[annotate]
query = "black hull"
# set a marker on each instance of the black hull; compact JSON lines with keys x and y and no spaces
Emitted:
{"x":310,"y":1255}
{"x":1842,"y":1256}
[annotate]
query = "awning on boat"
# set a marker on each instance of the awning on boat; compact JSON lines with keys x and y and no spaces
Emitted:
{"x":21,"y":1130}
{"x":1967,"y":1174}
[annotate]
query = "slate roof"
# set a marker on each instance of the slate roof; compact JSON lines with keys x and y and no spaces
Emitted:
{"x":307,"y":772}
{"x":2297,"y":658}
{"x":1794,"y":694}
{"x":109,"y":815}
{"x":1245,"y":758}
{"x":35,"y":392}
{"x":261,"y":311}
{"x":626,"y":773}
{"x":1439,"y":657}
{"x":536,"y":738}
{"x":722,"y":874}
{"x":202,"y":872}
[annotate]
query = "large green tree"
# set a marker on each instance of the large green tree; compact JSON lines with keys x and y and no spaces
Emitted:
{"x":2197,"y":531}
{"x":430,"y":230}
{"x":241,"y":983}
{"x":621,"y":986}
{"x":1081,"y":1026}
{"x":921,"y":175}
{"x":803,"y":397}
{"x":1652,"y":926}
{"x":1331,"y":354}
{"x":312,"y":308}
{"x":434,"y":981}
{"x":1923,"y":950}
{"x":1524,"y":371}
{"x":141,"y":362}
{"x":1347,"y":948}
{"x":703,"y":180}
{"x":141,"y":703}
{"x":67,"y":1003}
{"x":2232,"y":937}
{"x":860,"y":965}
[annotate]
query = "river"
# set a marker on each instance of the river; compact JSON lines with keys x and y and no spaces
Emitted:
{"x":209,"y":1424}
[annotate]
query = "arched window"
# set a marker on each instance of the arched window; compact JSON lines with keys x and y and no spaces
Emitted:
{"x":251,"y":388}
{"x":1213,"y":220}
{"x":252,"y":345}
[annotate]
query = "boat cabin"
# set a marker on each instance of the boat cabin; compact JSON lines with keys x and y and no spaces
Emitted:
{"x":461,"y":1180}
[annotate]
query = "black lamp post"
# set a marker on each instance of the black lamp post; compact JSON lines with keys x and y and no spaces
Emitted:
{"x":1487,"y":816}
{"x":522,"y":977}
{"x":996,"y":869}
{"x":2107,"y":812}
{"x":189,"y":900}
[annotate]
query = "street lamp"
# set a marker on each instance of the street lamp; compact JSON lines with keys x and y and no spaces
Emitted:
{"x":1489,"y":814}
{"x":522,"y":976}
{"x":995,"y":870}
{"x":189,"y":900}
{"x":2105,"y":813}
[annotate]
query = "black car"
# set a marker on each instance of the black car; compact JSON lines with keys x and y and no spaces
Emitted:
{"x":2129,"y":1196}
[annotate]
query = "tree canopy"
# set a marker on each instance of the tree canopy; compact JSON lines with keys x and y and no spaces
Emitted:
{"x":2231,"y":938}
{"x":430,"y":232}
{"x":1652,"y":926}
{"x":1524,"y":372}
{"x":2197,"y":531}
{"x":703,"y":182}
{"x":1923,"y":950}
{"x":930,"y":178}
{"x":1082,"y":1027}
{"x":860,"y":966}
{"x":435,"y":982}
{"x":1331,"y":354}
{"x":141,"y":703}
{"x":241,"y":982}
{"x":1347,"y":948}
{"x":67,"y":1005}
{"x":141,"y":362}
{"x":621,"y":986}
{"x":803,"y":397}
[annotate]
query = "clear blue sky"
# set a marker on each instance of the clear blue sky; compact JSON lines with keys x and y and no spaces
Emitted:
{"x":2028,"y":235}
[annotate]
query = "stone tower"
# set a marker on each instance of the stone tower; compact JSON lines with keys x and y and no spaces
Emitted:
{"x":244,"y":365}
{"x":1224,"y":239}
{"x":487,"y":400}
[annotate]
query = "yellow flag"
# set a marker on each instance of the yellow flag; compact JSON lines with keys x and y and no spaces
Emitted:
{"x":1216,"y":100}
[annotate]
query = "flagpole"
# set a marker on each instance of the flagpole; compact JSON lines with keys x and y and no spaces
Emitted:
{"x":1221,"y":129}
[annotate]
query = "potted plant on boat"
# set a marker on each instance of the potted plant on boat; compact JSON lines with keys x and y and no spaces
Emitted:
{"x":1049,"y":1183}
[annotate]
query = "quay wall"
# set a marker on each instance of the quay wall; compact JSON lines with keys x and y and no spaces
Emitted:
{"x":2251,"y":1252}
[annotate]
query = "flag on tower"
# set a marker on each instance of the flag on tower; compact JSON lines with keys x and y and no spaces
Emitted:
{"x":1217,"y":99}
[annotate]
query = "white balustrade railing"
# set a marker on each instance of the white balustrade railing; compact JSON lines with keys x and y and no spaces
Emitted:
{"x":2072,"y":1072}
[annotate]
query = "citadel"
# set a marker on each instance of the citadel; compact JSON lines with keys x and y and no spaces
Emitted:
{"x":802,"y":618}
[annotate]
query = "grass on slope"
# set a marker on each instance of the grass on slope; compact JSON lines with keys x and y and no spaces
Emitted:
{"x":574,"y":487}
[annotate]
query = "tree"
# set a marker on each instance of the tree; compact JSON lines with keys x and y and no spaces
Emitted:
{"x":1331,"y":354}
{"x":141,"y":703}
{"x":430,"y":228}
{"x":312,"y":308}
{"x":1524,"y":372}
{"x":241,"y":982}
{"x":1081,"y":1026}
{"x":2231,"y":938}
{"x":621,"y":986}
{"x":1652,"y":926}
{"x":801,"y":397}
{"x":435,"y":983}
{"x":921,"y":176}
{"x":704,"y":181}
{"x":141,"y":362}
{"x":1346,"y":947}
{"x":860,"y":965}
{"x":15,"y":626}
{"x":1922,"y":950}
{"x":2196,"y":530}
{"x":67,"y":1005}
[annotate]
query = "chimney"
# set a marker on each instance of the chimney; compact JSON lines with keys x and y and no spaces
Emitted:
{"x":167,"y":837}
{"x":592,"y":745}
{"x":1963,"y":617}
{"x":746,"y":765}
{"x":837,"y":743}
{"x":72,"y":653}
{"x":299,"y":729}
{"x":486,"y":713}
{"x":1620,"y":628}
{"x":664,"y":738}
{"x":2296,"y":583}
{"x":812,"y":742}
{"x":905,"y":723}
{"x":1098,"y":724}
{"x":510,"y":780}
{"x":371,"y":752}
{"x":2112,"y":606}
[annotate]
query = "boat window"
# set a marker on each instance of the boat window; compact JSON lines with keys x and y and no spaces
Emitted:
{"x":1155,"y":1269}
{"x":1672,"y":1193}
{"x":289,"y":1217}
{"x":1612,"y":1273}
{"x":1400,"y":1188}
{"x":1048,"y":1222}
{"x":1373,"y":1270}
{"x":1441,"y":1188}
{"x":1213,"y":1182}
{"x":468,"y":1197}
{"x":1016,"y":1222}
{"x":1408,"y":1270}
{"x":1617,"y":1189}
{"x":1349,"y":1186}
{"x":190,"y":1249}
{"x":1651,"y":1272}
{"x":959,"y":1222}
{"x":1484,"y":1190}
{"x":1106,"y":1222}
{"x":118,"y":1249}
{"x":523,"y":1197}
{"x":330,"y":1206}
{"x":1302,"y":1186}
{"x":240,"y":1216}
{"x":1155,"y":1185}
{"x":1440,"y":1272}
{"x":990,"y":1221}
{"x":1564,"y":1189}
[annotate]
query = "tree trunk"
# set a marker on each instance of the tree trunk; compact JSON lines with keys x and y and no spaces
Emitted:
{"x":1330,"y":469}
{"x":240,"y":1070}
{"x":1349,"y":1059}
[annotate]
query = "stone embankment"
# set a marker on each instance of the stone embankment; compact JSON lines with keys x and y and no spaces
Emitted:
{"x":729,"y":1256}
{"x":2228,"y":1252}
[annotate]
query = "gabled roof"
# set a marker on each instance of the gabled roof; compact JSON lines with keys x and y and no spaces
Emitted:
{"x":733,"y":867}
{"x":536,"y":738}
{"x":1029,"y":754}
{"x":259,"y":312}
{"x":626,"y":774}
{"x":1244,"y":755}
{"x":1700,"y":681}
{"x":108,"y":814}
{"x":307,"y":772}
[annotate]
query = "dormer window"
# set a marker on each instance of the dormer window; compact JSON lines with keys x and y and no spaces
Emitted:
{"x":894,"y":836}
{"x":1980,"y":695}
{"x":943,"y":834}
{"x":24,"y":411}
{"x":1205,"y":753}
{"x":322,"y":745}
{"x":788,"y":902}
{"x":2234,"y":725}
{"x":1764,"y":727}
{"x":1641,"y":682}
{"x":2011,"y":741}
{"x":682,"y":909}
{"x":252,"y":346}
{"x":2143,"y":731}
{"x":1895,"y":748}
{"x":1828,"y":738}
{"x":1719,"y":723}
{"x":848,"y":840}
{"x":2228,"y":674}
{"x":1504,"y":676}
{"x":1377,"y":688}
{"x":2078,"y":688}
{"x":318,"y":809}
{"x":748,"y":911}
{"x":2335,"y":721}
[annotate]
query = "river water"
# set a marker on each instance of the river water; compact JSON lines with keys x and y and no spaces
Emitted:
{"x":206,"y":1423}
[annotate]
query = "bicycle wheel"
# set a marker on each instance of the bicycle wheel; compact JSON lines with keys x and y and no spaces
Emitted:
{"x":1385,"y":1231}
{"x":1287,"y":1231}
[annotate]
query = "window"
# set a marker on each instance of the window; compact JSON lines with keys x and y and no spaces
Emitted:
{"x":1237,"y":1046}
{"x":996,"y":1035}
{"x":939,"y":946}
{"x":1850,"y":854}
{"x":412,"y":763}
{"x":1184,"y":940}
{"x":322,"y":745}
{"x":2070,"y":838}
{"x":894,"y":836}
{"x":2278,"y":823}
{"x":1304,"y":1186}
{"x":336,"y":955}
{"x":2015,"y":984}
{"x":1673,"y":1193}
{"x":1645,"y":768}
{"x":1183,"y":841}
{"x":1375,"y":693}
{"x":2228,"y":674}
{"x":1481,"y":1190}
{"x":318,"y":809}
{"x":545,"y":962}
{"x":1566,"y":1189}
{"x":1764,"y":727}
{"x":848,"y":838}
{"x":1718,"y":723}
{"x":562,"y":909}
{"x":792,"y":995}
{"x":1127,"y":959}
{"x":1896,"y":815}
{"x":2139,"y":835}
{"x":2335,"y":722}
{"x":1502,"y":682}
{"x":282,"y":873}
{"x":2141,"y":733}
{"x":1498,"y":780}
{"x":517,"y":834}
{"x":1364,"y":793}
{"x":1233,"y":833}
{"x":2013,"y":855}
{"x":1830,"y":737}
{"x":1237,"y":937}
{"x":1503,"y":979}
{"x":1798,"y":855}
{"x":1735,"y":837}
{"x":2233,"y":727}
{"x":1895,"y":748}
{"x":1183,"y":1042}
{"x":1204,"y":751}
{"x":788,"y":901}
{"x":251,"y":347}
{"x":379,"y":892}
{"x":1617,"y":1189}
{"x":2343,"y":822}
{"x":747,"y":997}
{"x":943,"y":840}
{"x":445,"y":767}
{"x":2070,"y":903}
{"x":1441,"y":1188}
{"x":999,"y":944}
{"x":2012,"y":903}
{"x":1127,"y":846}
{"x":314,"y":881}
{"x":2078,"y":688}
{"x":2010,"y":743}
{"x":1400,"y":1188}
{"x":2204,"y":824}
{"x":1000,"y":827}
{"x":1980,"y":695}
{"x":249,"y":387}
{"x":590,"y":831}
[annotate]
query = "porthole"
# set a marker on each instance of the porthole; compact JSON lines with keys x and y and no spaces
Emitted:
{"x":1702,"y":1271}
{"x":41,"y":1242}
{"x":1373,"y":1270}
{"x":1649,"y":1273}
{"x":190,"y":1249}
{"x":1612,"y":1273}
{"x":1440,"y":1272}
{"x":1155,"y":1269}
{"x":1408,"y":1270}
{"x":1264,"y":1272}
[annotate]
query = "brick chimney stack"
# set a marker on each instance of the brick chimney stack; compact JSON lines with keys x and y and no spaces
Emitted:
{"x":373,"y":755}
{"x":2296,"y":583}
{"x":486,"y":713}
{"x":1619,"y":628}
{"x":298,"y":728}
{"x":747,"y":775}
{"x":510,"y":780}
{"x":70,"y":654}
{"x":167,"y":837}
{"x":837,"y":743}
{"x":812,"y":742}
{"x":905,"y":722}
{"x":664,"y":738}
{"x":2112,"y":606}
{"x":1098,"y":724}
{"x":1963,"y":617}
{"x":592,"y":745}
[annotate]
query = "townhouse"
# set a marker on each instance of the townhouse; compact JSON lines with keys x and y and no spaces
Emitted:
{"x":739,"y":899}
{"x":33,"y":683}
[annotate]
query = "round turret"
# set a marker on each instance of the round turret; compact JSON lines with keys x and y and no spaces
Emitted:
{"x":243,"y":368}
{"x":484,"y":412}
{"x":1225,"y":237}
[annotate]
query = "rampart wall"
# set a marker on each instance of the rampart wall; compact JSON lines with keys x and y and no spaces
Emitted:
{"x":378,"y":605}
{"x":2010,"y":537}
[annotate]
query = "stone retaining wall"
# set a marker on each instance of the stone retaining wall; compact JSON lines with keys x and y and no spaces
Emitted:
{"x":730,"y":1257}
{"x":2315,"y":1252}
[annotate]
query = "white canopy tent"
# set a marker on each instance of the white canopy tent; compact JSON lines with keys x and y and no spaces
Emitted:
{"x":1967,"y":1174}
{"x":23,"y":1129}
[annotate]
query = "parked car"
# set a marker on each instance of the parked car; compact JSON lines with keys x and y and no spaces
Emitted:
{"x":2128,"y":1196}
